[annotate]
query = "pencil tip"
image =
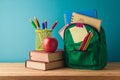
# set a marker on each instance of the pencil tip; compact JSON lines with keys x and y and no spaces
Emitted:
{"x":35,"y":17}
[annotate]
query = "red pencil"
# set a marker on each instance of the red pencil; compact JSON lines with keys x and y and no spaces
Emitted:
{"x":53,"y":26}
{"x":87,"y":41}
{"x":84,"y":41}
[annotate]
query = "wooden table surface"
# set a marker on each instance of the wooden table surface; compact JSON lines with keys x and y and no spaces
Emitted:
{"x":17,"y":71}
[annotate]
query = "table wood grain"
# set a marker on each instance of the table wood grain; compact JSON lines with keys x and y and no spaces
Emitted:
{"x":17,"y":71}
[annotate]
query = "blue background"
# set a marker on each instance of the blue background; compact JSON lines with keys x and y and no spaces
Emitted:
{"x":17,"y":36}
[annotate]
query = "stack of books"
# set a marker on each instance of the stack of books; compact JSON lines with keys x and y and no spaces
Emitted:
{"x":45,"y":60}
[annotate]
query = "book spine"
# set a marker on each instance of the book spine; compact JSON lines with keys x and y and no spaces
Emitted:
{"x":65,"y":19}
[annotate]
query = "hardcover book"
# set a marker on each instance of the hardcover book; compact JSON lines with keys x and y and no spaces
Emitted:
{"x":43,"y":65}
{"x":46,"y":56}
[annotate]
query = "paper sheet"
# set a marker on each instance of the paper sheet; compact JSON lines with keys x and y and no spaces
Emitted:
{"x":78,"y":33}
{"x":61,"y":31}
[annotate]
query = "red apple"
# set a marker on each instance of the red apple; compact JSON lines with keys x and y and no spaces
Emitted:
{"x":50,"y":44}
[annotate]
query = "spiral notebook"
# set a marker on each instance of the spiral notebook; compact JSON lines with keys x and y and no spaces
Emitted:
{"x":94,"y":22}
{"x":68,"y":14}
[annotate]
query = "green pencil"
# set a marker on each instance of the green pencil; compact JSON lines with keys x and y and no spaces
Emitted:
{"x":32,"y":22}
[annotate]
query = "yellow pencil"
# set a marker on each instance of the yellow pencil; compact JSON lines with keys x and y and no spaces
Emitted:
{"x":36,"y":23}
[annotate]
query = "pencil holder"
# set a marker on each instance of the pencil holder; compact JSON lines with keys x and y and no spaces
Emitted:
{"x":40,"y":36}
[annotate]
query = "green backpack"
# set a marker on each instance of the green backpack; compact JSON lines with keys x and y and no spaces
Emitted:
{"x":94,"y":57}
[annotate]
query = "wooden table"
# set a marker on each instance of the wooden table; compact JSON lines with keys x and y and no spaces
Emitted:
{"x":17,"y":71}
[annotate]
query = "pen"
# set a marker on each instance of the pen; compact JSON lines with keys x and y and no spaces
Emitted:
{"x":45,"y":24}
{"x":37,"y":23}
{"x":32,"y":22}
{"x":53,"y":26}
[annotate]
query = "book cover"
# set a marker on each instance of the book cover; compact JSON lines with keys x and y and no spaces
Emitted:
{"x":44,"y":66}
{"x":68,"y":14}
{"x":46,"y":56}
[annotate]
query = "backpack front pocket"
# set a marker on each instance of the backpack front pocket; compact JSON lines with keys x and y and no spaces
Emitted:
{"x":84,"y":58}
